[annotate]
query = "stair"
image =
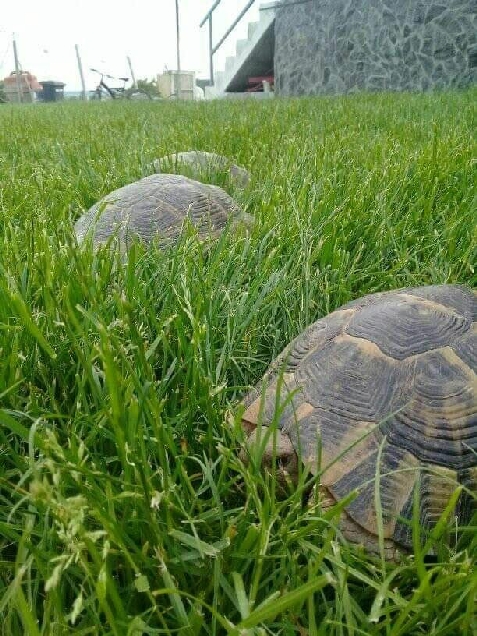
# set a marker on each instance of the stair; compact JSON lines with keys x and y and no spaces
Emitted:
{"x":253,"y":58}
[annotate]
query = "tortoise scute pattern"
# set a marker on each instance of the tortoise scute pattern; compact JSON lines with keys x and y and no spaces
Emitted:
{"x":156,"y":207}
{"x":456,"y":297}
{"x":440,"y":421}
{"x":388,"y":382}
{"x":409,"y":328}
{"x":434,"y":489}
{"x":369,"y":299}
{"x":318,"y":333}
{"x":466,"y":349}
{"x":348,"y":377}
{"x":336,"y":437}
{"x":393,"y":487}
{"x":315,"y":335}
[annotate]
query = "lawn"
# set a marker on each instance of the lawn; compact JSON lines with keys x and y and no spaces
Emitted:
{"x":124,"y":508}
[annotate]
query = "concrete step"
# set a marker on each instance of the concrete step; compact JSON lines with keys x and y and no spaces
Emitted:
{"x":219,"y":80}
{"x":229,"y":63}
{"x":252,"y":27}
{"x":240,"y":46}
{"x":249,"y":95}
{"x":253,"y":58}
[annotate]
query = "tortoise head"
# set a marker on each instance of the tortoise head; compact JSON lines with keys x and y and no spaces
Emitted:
{"x":239,"y":176}
{"x":274,"y":451}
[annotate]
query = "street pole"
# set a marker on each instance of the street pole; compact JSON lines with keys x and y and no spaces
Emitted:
{"x":80,"y":68}
{"x":17,"y":72}
{"x":132,"y":72}
{"x":211,"y":55}
{"x":178,"y":37}
{"x":178,"y":51}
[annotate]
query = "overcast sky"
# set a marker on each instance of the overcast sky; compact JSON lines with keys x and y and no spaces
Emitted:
{"x":109,"y":30}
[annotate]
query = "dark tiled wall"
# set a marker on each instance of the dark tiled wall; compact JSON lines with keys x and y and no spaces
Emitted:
{"x":340,"y":46}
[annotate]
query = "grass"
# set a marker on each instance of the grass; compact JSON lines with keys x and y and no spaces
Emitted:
{"x":124,"y":508}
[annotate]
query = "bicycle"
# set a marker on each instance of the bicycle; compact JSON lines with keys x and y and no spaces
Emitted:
{"x":116,"y":92}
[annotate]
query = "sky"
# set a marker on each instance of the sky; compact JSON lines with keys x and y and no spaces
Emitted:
{"x":107,"y":31}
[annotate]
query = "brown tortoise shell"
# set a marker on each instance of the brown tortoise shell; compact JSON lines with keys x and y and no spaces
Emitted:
{"x":155,"y":208}
{"x":387,"y":386}
{"x":199,"y":163}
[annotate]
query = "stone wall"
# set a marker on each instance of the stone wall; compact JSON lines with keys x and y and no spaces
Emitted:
{"x":341,"y":46}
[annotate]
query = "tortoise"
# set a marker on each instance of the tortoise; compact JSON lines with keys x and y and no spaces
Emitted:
{"x":385,"y":385}
{"x":156,"y":207}
{"x":198,"y":163}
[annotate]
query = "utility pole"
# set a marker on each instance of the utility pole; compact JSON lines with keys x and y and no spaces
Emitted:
{"x":132,"y":72}
{"x":80,"y":69}
{"x":178,"y":51}
{"x":17,"y":71}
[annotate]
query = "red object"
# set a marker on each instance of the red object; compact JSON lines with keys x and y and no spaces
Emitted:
{"x":261,"y":78}
{"x":27,"y":81}
{"x":257,"y":82}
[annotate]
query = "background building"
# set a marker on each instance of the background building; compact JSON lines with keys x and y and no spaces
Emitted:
{"x":24,"y":89}
{"x":176,"y":84}
{"x":52,"y":91}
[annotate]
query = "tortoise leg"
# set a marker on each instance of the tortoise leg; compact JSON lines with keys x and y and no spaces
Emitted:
{"x":276,"y":452}
{"x":352,"y":531}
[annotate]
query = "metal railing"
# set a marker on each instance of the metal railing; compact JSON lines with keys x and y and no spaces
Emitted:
{"x":279,"y":4}
{"x":213,"y":49}
{"x":282,"y":4}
